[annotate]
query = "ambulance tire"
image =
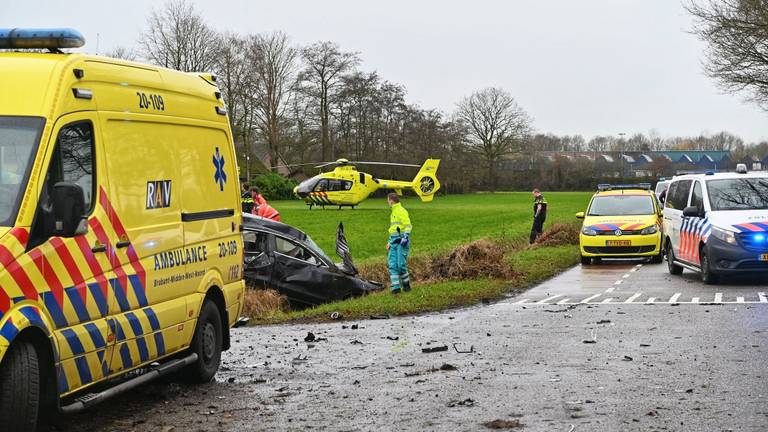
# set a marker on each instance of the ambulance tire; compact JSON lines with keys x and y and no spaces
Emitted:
{"x":586,"y":260}
{"x":673,"y":268}
{"x":707,"y":276}
{"x":657,"y":259}
{"x":20,"y":388}
{"x":207,"y":344}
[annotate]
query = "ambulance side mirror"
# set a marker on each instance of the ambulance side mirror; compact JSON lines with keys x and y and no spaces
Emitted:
{"x":580,"y":215}
{"x":69,"y":217}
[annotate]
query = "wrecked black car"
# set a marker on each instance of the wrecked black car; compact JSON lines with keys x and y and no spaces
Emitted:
{"x":281,"y":257}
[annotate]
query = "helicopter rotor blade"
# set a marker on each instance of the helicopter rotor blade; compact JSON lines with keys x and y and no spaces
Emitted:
{"x":385,"y":163}
{"x":297,"y":165}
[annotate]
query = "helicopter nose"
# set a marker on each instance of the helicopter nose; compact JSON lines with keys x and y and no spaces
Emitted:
{"x":300,"y":193}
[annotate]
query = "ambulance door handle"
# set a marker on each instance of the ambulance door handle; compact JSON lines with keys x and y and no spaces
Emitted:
{"x":99,"y":248}
{"x":123,"y":244}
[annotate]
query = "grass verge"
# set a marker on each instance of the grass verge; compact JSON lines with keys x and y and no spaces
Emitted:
{"x":529,"y":265}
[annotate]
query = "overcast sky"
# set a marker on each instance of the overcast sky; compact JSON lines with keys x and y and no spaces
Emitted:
{"x":578,"y":67}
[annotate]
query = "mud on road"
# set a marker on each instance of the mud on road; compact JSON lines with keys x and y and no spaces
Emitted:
{"x":592,"y":366}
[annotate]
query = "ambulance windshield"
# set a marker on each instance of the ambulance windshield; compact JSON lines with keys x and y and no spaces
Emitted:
{"x":621,"y":205}
{"x":739,"y":193}
{"x":19,"y":137}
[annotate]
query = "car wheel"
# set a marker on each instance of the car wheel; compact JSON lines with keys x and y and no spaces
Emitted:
{"x":586,"y":260}
{"x":707,"y":276}
{"x":20,"y":388}
{"x":673,"y":268}
{"x":658,"y":259}
{"x":206,"y":343}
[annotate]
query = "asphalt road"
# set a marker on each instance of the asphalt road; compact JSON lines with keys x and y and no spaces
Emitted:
{"x":614,"y":347}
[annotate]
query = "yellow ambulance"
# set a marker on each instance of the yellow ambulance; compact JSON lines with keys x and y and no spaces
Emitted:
{"x":120,"y":229}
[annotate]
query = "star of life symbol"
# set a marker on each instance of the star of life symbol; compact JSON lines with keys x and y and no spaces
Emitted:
{"x":220,"y":176}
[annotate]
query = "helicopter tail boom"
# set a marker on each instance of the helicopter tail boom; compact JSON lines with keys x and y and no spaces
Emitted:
{"x":424,"y":185}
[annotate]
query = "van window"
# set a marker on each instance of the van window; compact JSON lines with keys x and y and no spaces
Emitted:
{"x":679,"y":196}
{"x":697,"y":197}
{"x":738,"y":194}
{"x":670,"y":191}
{"x":19,"y":137}
{"x":73,"y":160}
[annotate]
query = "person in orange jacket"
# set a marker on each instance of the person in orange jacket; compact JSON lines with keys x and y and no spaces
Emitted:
{"x":262,"y":208}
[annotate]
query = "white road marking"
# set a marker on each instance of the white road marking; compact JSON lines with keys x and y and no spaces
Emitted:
{"x":632,"y":298}
{"x":695,"y":300}
{"x":718,"y":298}
{"x":739,"y":299}
{"x":522,"y":301}
{"x":549,"y":298}
{"x":608,"y":300}
{"x":563,"y":301}
{"x":763,"y":299}
{"x":588,"y":299}
{"x":633,"y":270}
{"x":650,"y":300}
{"x":610,"y":289}
{"x":619,"y":282}
{"x":626,"y":276}
{"x":674,"y":298}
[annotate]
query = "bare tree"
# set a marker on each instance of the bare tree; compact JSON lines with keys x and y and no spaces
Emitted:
{"x":736,"y":34}
{"x":325,"y":63}
{"x":121,"y":52}
{"x":496,"y":124}
{"x":176,"y":37}
{"x":273,"y":68}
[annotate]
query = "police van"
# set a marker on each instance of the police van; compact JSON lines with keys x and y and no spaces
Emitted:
{"x":120,"y":229}
{"x":717,"y":224}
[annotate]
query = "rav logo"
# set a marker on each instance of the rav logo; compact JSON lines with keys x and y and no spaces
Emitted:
{"x":158,"y":194}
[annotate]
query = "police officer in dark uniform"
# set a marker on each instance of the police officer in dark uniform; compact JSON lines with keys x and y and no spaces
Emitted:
{"x":246,"y":199}
{"x":539,"y":214}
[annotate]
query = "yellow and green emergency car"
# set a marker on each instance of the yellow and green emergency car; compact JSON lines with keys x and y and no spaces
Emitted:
{"x":120,"y":228}
{"x":621,"y":221}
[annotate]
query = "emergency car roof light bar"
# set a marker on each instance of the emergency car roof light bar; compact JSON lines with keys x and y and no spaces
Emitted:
{"x":44,"y":38}
{"x":606,"y":187}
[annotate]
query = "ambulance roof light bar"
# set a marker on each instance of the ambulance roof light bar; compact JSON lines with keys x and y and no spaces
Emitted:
{"x":52,"y":39}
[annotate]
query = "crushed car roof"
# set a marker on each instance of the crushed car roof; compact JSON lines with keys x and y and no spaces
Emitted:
{"x":254,"y":222}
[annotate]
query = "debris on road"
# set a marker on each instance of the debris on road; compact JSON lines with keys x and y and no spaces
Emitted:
{"x":503,"y":424}
{"x":604,"y":321}
{"x":589,"y":341}
{"x":448,"y":367}
{"x":310,"y":337}
{"x":335,"y":316}
{"x":434,"y":349}
{"x":464,"y":351}
{"x":356,"y":342}
{"x":627,"y":358}
{"x":393,"y":338}
{"x":379,"y":317}
{"x":466,"y":402}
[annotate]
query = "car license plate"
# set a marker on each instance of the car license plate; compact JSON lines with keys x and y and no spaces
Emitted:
{"x":764,"y":257}
{"x":618,"y":243}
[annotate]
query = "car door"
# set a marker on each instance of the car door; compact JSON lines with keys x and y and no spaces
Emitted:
{"x":77,"y":269}
{"x":690,"y":232}
{"x":259,"y":260}
{"x":302,"y":276}
{"x":677,"y":200}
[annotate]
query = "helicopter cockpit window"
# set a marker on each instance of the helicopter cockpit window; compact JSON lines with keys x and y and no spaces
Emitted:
{"x":339,"y":185}
{"x":321,"y":186}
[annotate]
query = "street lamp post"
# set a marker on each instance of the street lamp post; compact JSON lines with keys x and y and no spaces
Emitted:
{"x":621,"y":140}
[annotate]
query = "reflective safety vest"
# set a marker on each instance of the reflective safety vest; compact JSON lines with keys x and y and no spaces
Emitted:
{"x":246,"y":200}
{"x":399,"y":219}
{"x":267,"y":212}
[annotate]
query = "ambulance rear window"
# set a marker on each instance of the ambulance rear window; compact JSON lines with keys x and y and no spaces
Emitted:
{"x":19,"y":137}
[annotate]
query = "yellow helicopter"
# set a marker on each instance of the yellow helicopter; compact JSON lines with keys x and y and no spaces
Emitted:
{"x":345,"y":186}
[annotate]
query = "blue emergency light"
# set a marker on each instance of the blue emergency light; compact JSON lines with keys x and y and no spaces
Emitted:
{"x":50,"y":38}
{"x":759,"y":238}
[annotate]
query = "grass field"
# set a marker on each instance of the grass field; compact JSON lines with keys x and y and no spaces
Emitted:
{"x":437,"y":226}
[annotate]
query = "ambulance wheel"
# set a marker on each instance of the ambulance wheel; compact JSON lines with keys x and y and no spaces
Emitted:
{"x":20,"y":388}
{"x":206,"y":343}
{"x":673,"y":268}
{"x":707,"y":276}
{"x":586,"y":260}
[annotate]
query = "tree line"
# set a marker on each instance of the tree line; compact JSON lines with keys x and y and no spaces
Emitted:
{"x":313,"y":103}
